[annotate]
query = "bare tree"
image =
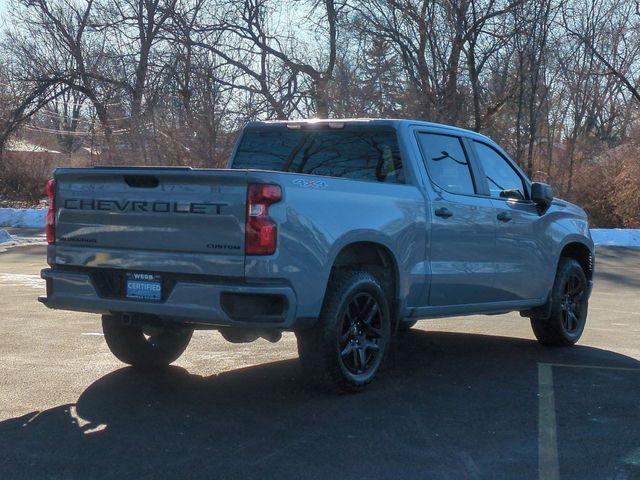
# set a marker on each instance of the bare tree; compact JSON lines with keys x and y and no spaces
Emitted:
{"x":62,"y":27}
{"x":607,"y":30}
{"x":202,"y":32}
{"x":248,"y":23}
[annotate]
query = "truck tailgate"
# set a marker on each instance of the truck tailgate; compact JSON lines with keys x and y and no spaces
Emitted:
{"x":148,"y":211}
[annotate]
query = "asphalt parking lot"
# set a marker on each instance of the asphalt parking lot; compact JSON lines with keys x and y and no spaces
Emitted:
{"x":472,"y":397}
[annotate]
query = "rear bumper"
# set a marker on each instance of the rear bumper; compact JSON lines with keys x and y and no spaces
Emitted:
{"x":196,"y":302}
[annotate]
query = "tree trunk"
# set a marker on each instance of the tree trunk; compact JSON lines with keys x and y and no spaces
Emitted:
{"x":475,"y":87}
{"x":321,"y":100}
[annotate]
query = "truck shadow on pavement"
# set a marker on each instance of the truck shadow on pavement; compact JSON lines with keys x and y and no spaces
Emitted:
{"x":448,"y":405}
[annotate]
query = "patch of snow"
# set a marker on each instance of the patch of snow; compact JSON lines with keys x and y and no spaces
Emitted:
{"x":8,"y":240}
{"x":616,"y":237}
{"x":22,"y":217}
{"x":91,"y":151}
{"x":24,"y":146}
{"x":6,"y":237}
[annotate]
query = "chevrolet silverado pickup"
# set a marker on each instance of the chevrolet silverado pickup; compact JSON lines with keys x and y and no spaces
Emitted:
{"x":342,"y":231}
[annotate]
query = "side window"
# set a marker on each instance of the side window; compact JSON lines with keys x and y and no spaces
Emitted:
{"x":447,"y":162}
{"x":502,"y":179}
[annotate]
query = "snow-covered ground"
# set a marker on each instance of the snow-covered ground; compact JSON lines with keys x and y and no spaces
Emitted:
{"x":12,"y":239}
{"x":22,"y":217}
{"x":6,"y":237}
{"x":35,"y":217}
{"x":616,"y":237}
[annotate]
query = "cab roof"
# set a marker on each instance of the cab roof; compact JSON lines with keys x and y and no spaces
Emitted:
{"x":396,"y":123}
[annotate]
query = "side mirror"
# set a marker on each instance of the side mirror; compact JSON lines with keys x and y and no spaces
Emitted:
{"x":541,"y":194}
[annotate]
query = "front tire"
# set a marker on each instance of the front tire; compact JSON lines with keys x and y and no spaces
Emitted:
{"x":144,"y":347}
{"x":348,"y":344}
{"x":568,"y":309}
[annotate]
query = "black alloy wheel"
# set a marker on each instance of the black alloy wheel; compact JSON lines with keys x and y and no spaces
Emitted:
{"x":360,"y":334}
{"x":346,"y":347}
{"x":573,"y":311}
{"x":567,"y":307}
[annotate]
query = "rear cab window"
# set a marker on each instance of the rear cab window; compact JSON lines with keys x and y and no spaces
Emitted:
{"x":355,"y":152}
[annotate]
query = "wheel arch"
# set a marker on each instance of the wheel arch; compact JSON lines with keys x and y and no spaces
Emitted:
{"x":580,"y":252}
{"x":577,"y":249}
{"x":377,"y":258}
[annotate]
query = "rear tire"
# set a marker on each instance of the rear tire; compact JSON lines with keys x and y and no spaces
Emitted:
{"x":568,"y":307}
{"x":346,"y":347}
{"x":144,"y":347}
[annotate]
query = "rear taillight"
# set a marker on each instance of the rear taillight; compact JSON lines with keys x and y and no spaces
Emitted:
{"x":50,"y":225}
{"x":261,"y":233}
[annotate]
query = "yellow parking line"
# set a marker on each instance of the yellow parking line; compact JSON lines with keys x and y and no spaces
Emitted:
{"x":548,"y":464}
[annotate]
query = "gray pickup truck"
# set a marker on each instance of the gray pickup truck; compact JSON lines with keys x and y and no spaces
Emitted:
{"x":342,"y":231}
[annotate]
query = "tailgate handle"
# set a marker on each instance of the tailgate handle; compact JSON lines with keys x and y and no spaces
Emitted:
{"x":141,"y":181}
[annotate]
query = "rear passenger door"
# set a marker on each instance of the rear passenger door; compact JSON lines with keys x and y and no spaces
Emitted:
{"x":520,"y":251}
{"x":463,"y":223}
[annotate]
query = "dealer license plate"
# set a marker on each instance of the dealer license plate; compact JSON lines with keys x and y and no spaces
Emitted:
{"x":144,"y":286}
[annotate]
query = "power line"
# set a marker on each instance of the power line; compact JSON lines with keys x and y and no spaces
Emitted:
{"x":71,"y":133}
{"x":53,"y":114}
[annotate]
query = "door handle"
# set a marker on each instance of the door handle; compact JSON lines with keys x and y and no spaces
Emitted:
{"x":443,"y":212}
{"x":504,"y":217}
